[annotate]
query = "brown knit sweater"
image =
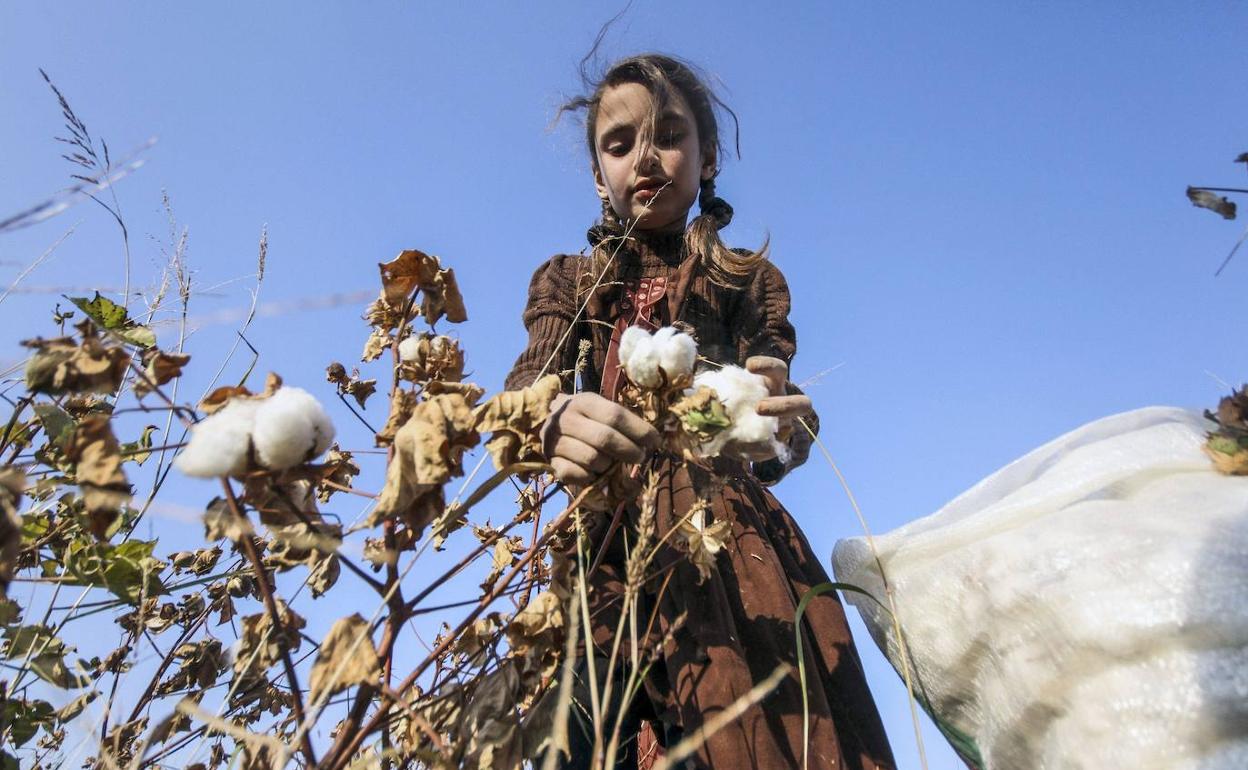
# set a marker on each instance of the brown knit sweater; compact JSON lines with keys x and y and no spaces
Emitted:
{"x":730,"y":323}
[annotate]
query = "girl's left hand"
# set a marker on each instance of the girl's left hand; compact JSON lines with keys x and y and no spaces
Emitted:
{"x":779,"y":403}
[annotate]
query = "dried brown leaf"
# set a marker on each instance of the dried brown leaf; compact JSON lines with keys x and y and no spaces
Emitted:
{"x":12,"y":483}
{"x":346,"y":658}
{"x":97,"y":453}
{"x":62,"y":366}
{"x":429,"y":450}
{"x":1205,"y":199}
{"x":160,"y":368}
{"x":703,"y":541}
{"x":515,"y":417}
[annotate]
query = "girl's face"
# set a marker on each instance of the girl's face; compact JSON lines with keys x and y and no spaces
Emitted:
{"x":658,"y":182}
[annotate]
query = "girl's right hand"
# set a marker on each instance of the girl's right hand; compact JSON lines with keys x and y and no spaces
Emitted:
{"x":586,"y":433}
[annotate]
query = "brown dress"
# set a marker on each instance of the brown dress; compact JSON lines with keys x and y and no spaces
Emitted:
{"x":738,"y":625}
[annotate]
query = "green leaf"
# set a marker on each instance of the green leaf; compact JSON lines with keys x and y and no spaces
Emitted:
{"x":44,"y":653}
{"x":126,"y":570}
{"x":23,"y":719}
{"x":57,"y":423}
{"x":111,"y":316}
{"x":1224,"y":444}
{"x":106,"y":313}
{"x":10,"y":612}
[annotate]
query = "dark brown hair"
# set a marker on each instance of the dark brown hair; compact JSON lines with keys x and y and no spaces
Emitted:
{"x":663,"y":75}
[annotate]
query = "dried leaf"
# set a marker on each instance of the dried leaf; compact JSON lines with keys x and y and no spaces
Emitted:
{"x":61,"y":366}
{"x":516,"y":418}
{"x":95,"y":450}
{"x":217,"y":399}
{"x":402,"y":404}
{"x":346,"y":658}
{"x":12,"y":483}
{"x":340,"y":468}
{"x":261,"y":639}
{"x":75,"y":706}
{"x":160,"y":368}
{"x":702,"y":415}
{"x":220,"y":522}
{"x":428,"y":356}
{"x":702,"y":541}
{"x":492,"y":722}
{"x":535,"y":632}
{"x":351,"y":385}
{"x":1205,"y":199}
{"x":429,"y":450}
{"x":413,"y":270}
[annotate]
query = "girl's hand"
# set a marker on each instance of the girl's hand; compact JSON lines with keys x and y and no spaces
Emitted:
{"x":586,"y":433}
{"x":779,"y":404}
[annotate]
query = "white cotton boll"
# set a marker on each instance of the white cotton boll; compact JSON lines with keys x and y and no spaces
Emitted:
{"x":640,"y":357}
{"x":409,"y":348}
{"x":677,"y":352}
{"x":291,"y":428}
{"x":220,"y":442}
{"x":643,"y":366}
{"x":629,"y":340}
{"x":740,"y":391}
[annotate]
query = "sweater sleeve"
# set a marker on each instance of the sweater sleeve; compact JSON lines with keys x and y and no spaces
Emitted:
{"x":548,"y":316}
{"x":765,"y":330}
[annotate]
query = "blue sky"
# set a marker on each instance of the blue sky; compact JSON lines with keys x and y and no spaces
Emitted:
{"x":979,"y":207}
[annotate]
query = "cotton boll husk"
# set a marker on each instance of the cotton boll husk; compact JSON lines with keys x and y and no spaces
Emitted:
{"x":677,"y":352}
{"x":740,"y":391}
{"x":291,"y":427}
{"x":220,"y":443}
{"x":409,"y":348}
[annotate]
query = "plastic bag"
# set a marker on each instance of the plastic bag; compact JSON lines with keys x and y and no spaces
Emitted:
{"x":1085,"y":606}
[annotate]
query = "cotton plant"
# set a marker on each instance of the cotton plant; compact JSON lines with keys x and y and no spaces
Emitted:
{"x":716,"y":410}
{"x":280,"y":430}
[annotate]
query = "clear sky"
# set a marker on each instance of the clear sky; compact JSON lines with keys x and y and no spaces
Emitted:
{"x":979,"y":207}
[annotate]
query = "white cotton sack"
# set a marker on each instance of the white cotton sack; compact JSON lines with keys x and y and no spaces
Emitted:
{"x":740,"y":391}
{"x":291,"y":428}
{"x":220,"y":443}
{"x":647,"y":358}
{"x":1086,"y":606}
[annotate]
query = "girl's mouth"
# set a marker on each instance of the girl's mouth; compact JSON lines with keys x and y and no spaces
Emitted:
{"x":646,"y":191}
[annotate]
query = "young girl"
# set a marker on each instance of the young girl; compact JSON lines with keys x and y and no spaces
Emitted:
{"x":654,"y":149}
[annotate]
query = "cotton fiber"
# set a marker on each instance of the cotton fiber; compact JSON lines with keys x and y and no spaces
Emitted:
{"x":409,"y":348}
{"x":220,"y":442}
{"x":740,"y":391}
{"x":286,"y":429}
{"x":291,"y":427}
{"x":647,"y":358}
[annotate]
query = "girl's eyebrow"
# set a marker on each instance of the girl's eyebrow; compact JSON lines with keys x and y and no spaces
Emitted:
{"x":668,"y":116}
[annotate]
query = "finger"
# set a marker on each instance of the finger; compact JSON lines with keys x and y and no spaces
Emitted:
{"x":582,"y":454}
{"x":784,"y":406}
{"x":569,"y":472}
{"x":775,"y":370}
{"x":623,"y":421}
{"x":603,"y":438}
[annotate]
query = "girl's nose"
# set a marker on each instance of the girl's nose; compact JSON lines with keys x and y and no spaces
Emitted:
{"x":648,"y":158}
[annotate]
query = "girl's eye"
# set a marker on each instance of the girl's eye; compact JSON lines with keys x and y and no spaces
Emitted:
{"x":670,"y":139}
{"x":617,"y":149}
